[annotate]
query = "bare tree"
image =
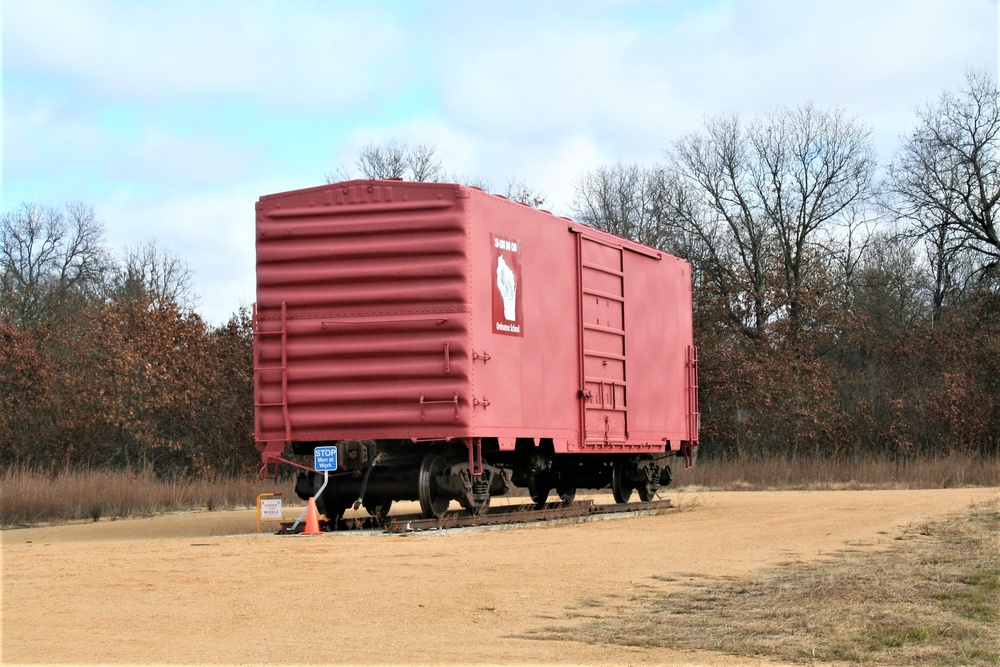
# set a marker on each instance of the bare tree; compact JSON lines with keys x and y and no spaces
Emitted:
{"x":49,"y":260}
{"x":712,"y":199}
{"x":423,"y":163}
{"x":472,"y":180}
{"x":154,"y":273}
{"x":397,"y":159}
{"x":813,"y":167}
{"x":847,"y":246}
{"x":394,"y":159}
{"x":946,"y":176}
{"x":522,"y":193}
{"x":516,"y":190}
{"x":951,"y":268}
{"x":888,"y":284}
{"x":386,"y":161}
{"x":756,"y":198}
{"x":623,"y":199}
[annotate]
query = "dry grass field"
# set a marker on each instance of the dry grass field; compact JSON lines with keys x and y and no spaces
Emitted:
{"x":932,"y":597}
{"x":750,"y":578}
{"x":29,"y":496}
{"x":32,"y":496}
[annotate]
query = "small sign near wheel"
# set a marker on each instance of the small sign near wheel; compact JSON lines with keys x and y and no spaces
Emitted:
{"x":268,"y":508}
{"x":325,"y":458}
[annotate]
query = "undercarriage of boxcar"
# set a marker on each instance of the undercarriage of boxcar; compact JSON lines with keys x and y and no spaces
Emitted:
{"x":373,"y":474}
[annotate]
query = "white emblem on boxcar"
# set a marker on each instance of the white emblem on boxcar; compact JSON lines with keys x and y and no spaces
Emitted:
{"x":508,"y":288}
{"x":507,"y":284}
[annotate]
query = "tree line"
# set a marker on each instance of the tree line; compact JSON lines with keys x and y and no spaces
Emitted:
{"x":843,"y":307}
{"x":103,"y":361}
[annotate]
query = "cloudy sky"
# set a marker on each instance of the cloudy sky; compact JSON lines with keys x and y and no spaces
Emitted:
{"x":172,"y":117}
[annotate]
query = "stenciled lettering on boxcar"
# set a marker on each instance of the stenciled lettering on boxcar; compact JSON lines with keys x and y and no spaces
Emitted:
{"x":507,"y":289}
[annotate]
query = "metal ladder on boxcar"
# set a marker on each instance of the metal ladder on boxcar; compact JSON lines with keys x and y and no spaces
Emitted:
{"x":694,"y":416}
{"x":258,"y":370}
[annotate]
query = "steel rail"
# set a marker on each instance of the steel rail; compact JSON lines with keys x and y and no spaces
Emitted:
{"x":522,"y":514}
{"x":499,"y":516}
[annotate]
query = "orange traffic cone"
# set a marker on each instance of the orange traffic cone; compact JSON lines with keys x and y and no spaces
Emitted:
{"x":312,"y":519}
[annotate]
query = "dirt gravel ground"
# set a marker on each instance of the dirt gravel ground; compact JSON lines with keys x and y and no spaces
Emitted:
{"x":202,"y":588}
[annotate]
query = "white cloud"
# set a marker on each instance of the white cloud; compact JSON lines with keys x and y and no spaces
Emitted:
{"x":634,"y":87}
{"x":285,"y":55}
{"x":497,"y":161}
{"x":47,"y":141}
{"x":212,"y":230}
{"x":550,"y":170}
{"x":36,"y":131}
{"x":540,"y":92}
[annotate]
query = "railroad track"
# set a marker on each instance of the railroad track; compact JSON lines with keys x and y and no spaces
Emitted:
{"x":580,"y":510}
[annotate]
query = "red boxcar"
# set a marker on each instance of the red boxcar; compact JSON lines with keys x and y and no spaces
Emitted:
{"x":450,"y":343}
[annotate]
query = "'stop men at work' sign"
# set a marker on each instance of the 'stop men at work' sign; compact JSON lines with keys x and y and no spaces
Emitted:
{"x":325,"y":458}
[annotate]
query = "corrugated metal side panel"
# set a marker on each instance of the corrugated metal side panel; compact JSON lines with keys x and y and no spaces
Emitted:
{"x":375,"y":281}
{"x":588,"y":323}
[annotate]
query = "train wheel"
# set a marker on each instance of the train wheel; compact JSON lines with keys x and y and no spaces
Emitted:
{"x":539,"y":491}
{"x":332,"y":507}
{"x":647,"y":492}
{"x":621,"y":487}
{"x":433,"y":503}
{"x":379,"y":510}
{"x":566,"y":494}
